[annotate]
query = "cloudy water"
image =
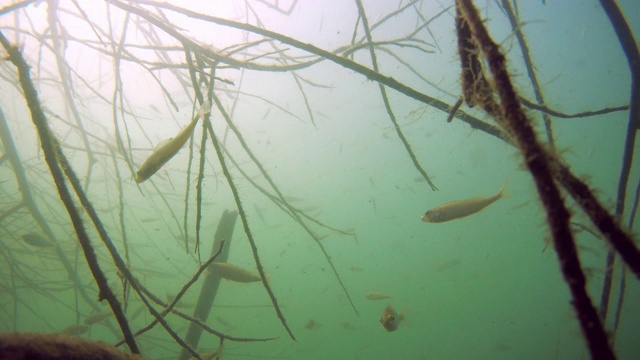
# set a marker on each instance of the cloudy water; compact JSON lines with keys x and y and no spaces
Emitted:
{"x":348,"y":217}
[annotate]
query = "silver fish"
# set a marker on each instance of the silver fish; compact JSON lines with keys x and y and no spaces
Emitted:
{"x":234,"y":273}
{"x":170,"y":147}
{"x":37,"y":240}
{"x":461,"y":208}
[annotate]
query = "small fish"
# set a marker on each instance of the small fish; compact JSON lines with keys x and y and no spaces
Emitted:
{"x":348,"y":326}
{"x":461,"y":208}
{"x":74,"y":330}
{"x":311,"y":324}
{"x":96,"y":318}
{"x":234,"y":273}
{"x":37,"y":240}
{"x":356,"y":269}
{"x":390,"y":319}
{"x":447,"y":265}
{"x":376,"y":295}
{"x":170,"y":147}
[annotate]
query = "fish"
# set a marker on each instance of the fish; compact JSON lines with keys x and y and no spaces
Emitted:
{"x":311,"y":324}
{"x":461,"y":208}
{"x":348,"y":326}
{"x":233,"y":272}
{"x":37,"y":240}
{"x":376,"y":295}
{"x":390,"y":319}
{"x":96,"y":318}
{"x":170,"y":147}
{"x":74,"y":330}
{"x":447,"y":265}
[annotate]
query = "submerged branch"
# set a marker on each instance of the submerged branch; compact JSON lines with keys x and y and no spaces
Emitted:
{"x":547,"y":110}
{"x":243,"y":217}
{"x":53,"y":157}
{"x":630,"y":48}
{"x":528,"y":62}
{"x":474,"y":36}
{"x":385,"y":99}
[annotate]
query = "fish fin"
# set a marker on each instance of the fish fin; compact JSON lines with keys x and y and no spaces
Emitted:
{"x":204,"y":109}
{"x":501,"y":192}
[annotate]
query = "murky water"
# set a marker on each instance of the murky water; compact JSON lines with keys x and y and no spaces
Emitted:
{"x":323,"y":180}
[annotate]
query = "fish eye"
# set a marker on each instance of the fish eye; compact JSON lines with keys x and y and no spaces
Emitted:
{"x":428,"y":213}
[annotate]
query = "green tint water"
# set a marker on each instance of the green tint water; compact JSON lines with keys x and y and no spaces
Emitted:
{"x":484,"y":287}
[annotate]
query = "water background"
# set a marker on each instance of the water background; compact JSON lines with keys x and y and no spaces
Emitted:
{"x":483,"y":287}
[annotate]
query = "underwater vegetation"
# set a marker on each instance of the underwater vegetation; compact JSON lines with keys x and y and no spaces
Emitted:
{"x":292,"y":179}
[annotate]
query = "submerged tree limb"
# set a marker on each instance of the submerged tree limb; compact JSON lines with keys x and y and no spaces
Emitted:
{"x":340,"y":60}
{"x":293,"y":212}
{"x":52,"y":156}
{"x":528,"y":63}
{"x":243,"y":218}
{"x":29,"y":202}
{"x":66,"y":84}
{"x":552,"y":112}
{"x":385,"y":99}
{"x":630,"y":48}
{"x":512,"y":118}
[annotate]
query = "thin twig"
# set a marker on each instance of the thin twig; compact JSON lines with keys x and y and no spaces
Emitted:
{"x":385,"y":100}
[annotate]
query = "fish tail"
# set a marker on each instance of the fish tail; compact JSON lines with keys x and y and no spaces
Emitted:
{"x":205,"y":108}
{"x":501,"y":192}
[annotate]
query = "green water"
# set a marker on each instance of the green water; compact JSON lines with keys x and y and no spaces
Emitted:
{"x":487,"y":286}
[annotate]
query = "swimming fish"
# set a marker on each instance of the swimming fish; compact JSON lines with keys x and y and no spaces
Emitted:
{"x":348,"y":326}
{"x":74,"y":330}
{"x":234,"y":273}
{"x":37,"y":240}
{"x":170,"y":147}
{"x":311,"y":324}
{"x":390,"y":319}
{"x":96,"y":318}
{"x":461,"y":208}
{"x":376,"y":295}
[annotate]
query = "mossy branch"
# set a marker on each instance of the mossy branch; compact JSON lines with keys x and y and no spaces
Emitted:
{"x":474,"y":36}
